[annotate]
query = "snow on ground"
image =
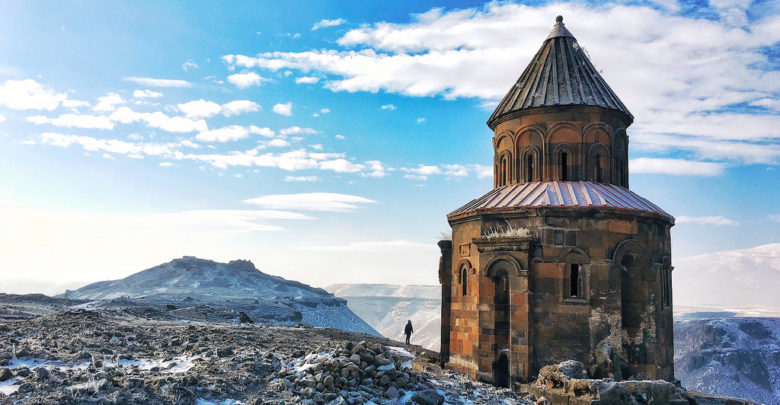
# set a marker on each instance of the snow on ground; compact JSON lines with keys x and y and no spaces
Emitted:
{"x":180,"y":364}
{"x":202,"y":401}
{"x":7,"y":387}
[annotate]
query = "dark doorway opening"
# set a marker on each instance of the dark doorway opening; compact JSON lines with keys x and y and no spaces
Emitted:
{"x":501,"y":371}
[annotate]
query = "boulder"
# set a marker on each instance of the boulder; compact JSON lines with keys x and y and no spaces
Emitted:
{"x":427,"y":397}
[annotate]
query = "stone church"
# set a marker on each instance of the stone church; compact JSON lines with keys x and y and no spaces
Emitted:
{"x":560,"y":260}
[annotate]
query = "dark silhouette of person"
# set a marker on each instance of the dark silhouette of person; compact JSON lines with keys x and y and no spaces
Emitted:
{"x":408,"y":330}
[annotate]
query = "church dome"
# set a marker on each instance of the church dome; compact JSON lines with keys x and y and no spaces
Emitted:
{"x":560,"y":74}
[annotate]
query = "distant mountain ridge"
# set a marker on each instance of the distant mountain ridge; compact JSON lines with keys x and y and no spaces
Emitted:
{"x":238,"y":284}
{"x":195,"y":278}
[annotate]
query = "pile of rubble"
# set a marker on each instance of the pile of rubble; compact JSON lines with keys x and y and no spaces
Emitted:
{"x":355,"y":373}
{"x":568,"y":382}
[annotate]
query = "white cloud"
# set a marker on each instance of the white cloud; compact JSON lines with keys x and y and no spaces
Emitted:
{"x":152,"y":82}
{"x":189,"y":64}
{"x":341,"y":166}
{"x":420,"y":120}
{"x":246,"y":79}
{"x":676,"y":167}
{"x":332,"y":202}
{"x":237,"y":107}
{"x":225,"y":134}
{"x":200,"y":108}
{"x":327,"y":23}
{"x":303,"y":179}
{"x":307,"y":80}
{"x":374,"y":169}
{"x":146,"y":94}
{"x":325,"y":111}
{"x":131,"y":149}
{"x":108,"y":102}
{"x":379,"y":246}
{"x":278,"y":143}
{"x":74,"y":103}
{"x":340,"y":137}
{"x":159,"y":120}
{"x":264,"y":131}
{"x":675,"y":83}
{"x":390,"y":107}
{"x":207,"y":109}
{"x":283,"y":109}
{"x":706,"y":220}
{"x":2,"y":118}
{"x":422,"y":172}
{"x":29,"y":95}
{"x":74,"y":121}
{"x":166,"y":164}
{"x":296,"y":130}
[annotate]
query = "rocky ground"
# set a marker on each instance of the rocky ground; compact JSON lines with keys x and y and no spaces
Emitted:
{"x":135,"y":355}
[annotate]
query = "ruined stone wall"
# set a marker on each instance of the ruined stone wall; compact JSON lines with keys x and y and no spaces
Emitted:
{"x":531,"y":146}
{"x":464,"y":315}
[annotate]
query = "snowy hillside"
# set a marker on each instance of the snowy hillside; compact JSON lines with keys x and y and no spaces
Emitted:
{"x":737,"y":357}
{"x":236,"y":284}
{"x":387,"y":307}
{"x":746,"y":278}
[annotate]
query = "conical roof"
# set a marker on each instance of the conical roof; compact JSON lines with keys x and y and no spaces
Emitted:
{"x":560,"y":74}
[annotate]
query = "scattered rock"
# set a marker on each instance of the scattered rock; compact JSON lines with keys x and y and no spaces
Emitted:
{"x":427,"y":397}
{"x":244,"y":318}
{"x":6,"y":374}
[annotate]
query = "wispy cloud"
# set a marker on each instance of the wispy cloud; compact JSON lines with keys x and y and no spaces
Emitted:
{"x":307,"y":80}
{"x":108,"y":102}
{"x":74,"y":121}
{"x":158,"y":119}
{"x":675,"y":167}
{"x":189,"y":65}
{"x":331,"y":202}
{"x":378,"y":246}
{"x":146,"y":94}
{"x":153,"y":82}
{"x":296,"y":130}
{"x":706,"y":220}
{"x":131,"y":149}
{"x":207,"y":109}
{"x":390,"y":107}
{"x":301,"y":179}
{"x":327,"y":23}
{"x":422,"y":172}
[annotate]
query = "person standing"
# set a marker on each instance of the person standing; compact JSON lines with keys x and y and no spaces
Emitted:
{"x":408,"y":330}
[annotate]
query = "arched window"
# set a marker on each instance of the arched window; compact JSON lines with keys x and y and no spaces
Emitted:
{"x":564,"y":166}
{"x":464,"y":280}
{"x":597,"y":177}
{"x":529,"y":168}
{"x":575,"y":284}
{"x":619,"y":171}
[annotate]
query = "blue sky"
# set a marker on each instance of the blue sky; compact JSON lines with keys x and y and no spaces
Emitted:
{"x":326,"y":141}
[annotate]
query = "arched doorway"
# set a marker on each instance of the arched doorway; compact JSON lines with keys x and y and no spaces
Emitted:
{"x":499,"y":273}
{"x":501,"y":370}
